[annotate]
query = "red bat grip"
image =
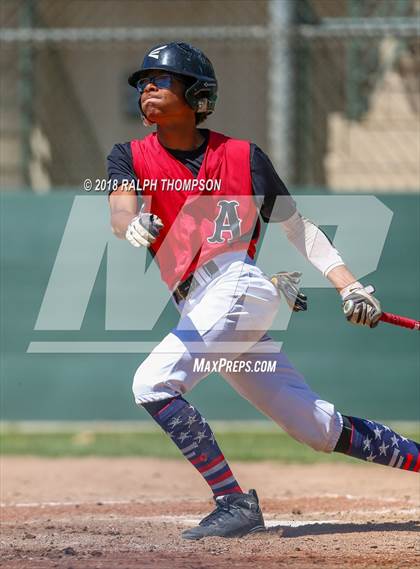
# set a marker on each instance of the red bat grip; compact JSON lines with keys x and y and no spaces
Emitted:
{"x":400,"y":321}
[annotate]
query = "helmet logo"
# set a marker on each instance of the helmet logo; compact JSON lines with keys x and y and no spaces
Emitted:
{"x":155,"y":52}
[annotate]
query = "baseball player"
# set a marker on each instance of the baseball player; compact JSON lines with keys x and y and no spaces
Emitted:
{"x":203,"y":195}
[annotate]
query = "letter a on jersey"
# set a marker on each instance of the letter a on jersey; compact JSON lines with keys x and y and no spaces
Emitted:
{"x":226,"y":220}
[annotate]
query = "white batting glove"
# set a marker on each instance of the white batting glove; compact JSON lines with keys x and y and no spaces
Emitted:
{"x":360,"y":306}
{"x":288,"y":284}
{"x":143,"y":229}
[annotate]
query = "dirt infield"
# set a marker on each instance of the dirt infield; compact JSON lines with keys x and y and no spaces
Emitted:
{"x":128,"y":513}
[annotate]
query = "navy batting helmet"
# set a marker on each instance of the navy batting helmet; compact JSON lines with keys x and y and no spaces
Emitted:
{"x":188,"y":61}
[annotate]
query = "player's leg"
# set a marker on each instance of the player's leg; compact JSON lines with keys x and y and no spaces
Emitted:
{"x":236,"y":513}
{"x":170,"y":372}
{"x":374,"y":442}
{"x":159,"y":383}
{"x":192,"y":434}
{"x":284,"y":396}
{"x":269,"y":381}
{"x":208,"y":329}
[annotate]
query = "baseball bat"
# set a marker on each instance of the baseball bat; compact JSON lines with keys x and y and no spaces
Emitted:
{"x":397,"y":320}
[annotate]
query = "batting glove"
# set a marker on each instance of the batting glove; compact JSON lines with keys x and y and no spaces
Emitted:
{"x":143,"y":229}
{"x":359,"y":306}
{"x":288,"y":284}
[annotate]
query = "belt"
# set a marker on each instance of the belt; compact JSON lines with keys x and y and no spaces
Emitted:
{"x":182,"y":290}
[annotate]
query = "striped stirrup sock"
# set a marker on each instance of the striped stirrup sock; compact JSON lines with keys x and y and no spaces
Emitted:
{"x":378,"y":443}
{"x":193,"y":436}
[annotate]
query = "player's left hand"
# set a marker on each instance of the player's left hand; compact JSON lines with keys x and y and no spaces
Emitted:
{"x":288,"y":284}
{"x":143,"y":229}
{"x":361,"y":307}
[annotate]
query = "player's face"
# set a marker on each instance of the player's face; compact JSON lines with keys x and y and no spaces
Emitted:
{"x":163,"y":100}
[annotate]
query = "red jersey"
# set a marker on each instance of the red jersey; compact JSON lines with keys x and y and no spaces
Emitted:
{"x":204,"y":216}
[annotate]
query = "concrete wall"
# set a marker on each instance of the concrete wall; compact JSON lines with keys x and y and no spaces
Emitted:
{"x":365,"y":372}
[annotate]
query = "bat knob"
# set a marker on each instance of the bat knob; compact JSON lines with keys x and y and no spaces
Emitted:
{"x":348,"y":307}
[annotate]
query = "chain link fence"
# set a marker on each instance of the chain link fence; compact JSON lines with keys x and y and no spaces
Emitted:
{"x":329,"y":89}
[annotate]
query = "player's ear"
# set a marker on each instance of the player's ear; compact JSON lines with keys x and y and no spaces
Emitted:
{"x":144,"y":119}
{"x":202,"y":106}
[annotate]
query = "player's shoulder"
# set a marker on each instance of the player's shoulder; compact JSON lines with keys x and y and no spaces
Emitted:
{"x":259,"y":157}
{"x":120,"y":150}
{"x":229,"y":141}
{"x":228,"y":137}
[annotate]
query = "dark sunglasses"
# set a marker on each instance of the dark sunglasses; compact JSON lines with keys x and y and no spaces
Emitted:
{"x":161,"y":81}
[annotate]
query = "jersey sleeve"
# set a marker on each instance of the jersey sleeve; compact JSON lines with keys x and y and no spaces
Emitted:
{"x":120,"y":166}
{"x":271,"y":194}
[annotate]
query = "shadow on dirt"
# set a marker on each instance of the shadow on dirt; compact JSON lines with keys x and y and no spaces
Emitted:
{"x":329,"y":529}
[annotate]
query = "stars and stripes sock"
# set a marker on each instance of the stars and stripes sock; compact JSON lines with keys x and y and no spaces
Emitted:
{"x":378,"y":443}
{"x":192,"y":434}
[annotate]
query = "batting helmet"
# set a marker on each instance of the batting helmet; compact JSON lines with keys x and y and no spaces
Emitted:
{"x":188,"y":61}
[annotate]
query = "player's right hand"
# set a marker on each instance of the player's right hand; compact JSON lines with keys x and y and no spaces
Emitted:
{"x":143,"y":229}
{"x":361,"y":307}
{"x":288,"y":284}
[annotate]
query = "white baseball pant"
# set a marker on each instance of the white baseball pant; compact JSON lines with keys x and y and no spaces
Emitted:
{"x":227,"y":317}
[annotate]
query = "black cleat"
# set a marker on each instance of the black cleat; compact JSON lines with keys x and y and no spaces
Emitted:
{"x":235,"y":515}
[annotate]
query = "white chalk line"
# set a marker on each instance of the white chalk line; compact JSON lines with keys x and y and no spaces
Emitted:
{"x":270,"y":519}
{"x":269,"y":522}
{"x":178,"y":499}
{"x":97,"y":502}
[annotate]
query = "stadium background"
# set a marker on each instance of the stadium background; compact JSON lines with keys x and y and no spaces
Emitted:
{"x":329,"y":89}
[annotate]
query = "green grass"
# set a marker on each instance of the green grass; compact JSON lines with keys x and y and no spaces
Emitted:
{"x":236,"y":446}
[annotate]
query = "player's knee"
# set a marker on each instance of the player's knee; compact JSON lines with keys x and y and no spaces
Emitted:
{"x":317,"y":429}
{"x":144,"y":384}
{"x":316,"y":440}
{"x":139,"y":387}
{"x":320,"y":445}
{"x":326,"y":432}
{"x":150,"y":386}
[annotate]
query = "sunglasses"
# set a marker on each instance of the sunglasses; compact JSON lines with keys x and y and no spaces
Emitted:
{"x":164,"y":81}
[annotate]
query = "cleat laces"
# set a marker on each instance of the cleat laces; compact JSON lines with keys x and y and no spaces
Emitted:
{"x":222,"y":510}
